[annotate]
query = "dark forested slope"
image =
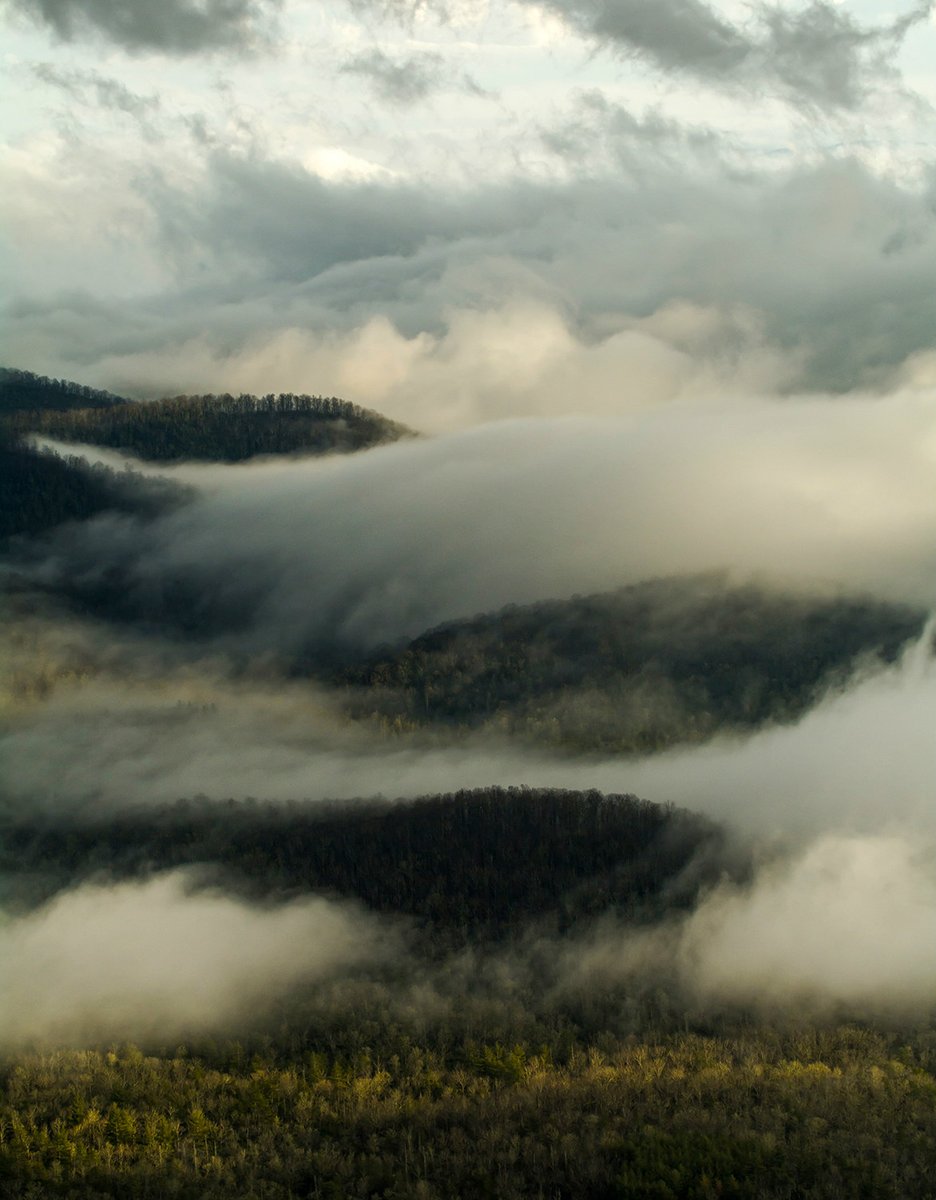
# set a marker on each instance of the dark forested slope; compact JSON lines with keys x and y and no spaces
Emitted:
{"x":40,"y":490}
{"x":217,"y":428}
{"x":474,"y":861}
{"x":22,"y":391}
{"x":631,"y":670}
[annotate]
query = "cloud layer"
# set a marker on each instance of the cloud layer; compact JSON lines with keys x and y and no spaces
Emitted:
{"x":157,"y":958}
{"x":359,"y":550}
{"x":815,"y":55}
{"x":446,"y":309}
{"x":171,"y":26}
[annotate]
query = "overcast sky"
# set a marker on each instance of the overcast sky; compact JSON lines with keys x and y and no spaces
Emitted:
{"x":461,"y":210}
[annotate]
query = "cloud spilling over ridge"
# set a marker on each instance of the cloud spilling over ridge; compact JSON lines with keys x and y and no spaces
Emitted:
{"x":135,"y":959}
{"x":849,"y":920}
{"x":860,"y":763}
{"x":843,"y":925}
{"x":359,"y":550}
{"x":169,"y":26}
{"x":840,"y":913}
{"x":612,"y":262}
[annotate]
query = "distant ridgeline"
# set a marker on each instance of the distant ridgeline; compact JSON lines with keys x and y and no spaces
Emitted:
{"x":208,"y":428}
{"x":475,"y":862}
{"x":632,"y":670}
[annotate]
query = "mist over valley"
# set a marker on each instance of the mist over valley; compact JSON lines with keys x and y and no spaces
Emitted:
{"x":467,"y":582}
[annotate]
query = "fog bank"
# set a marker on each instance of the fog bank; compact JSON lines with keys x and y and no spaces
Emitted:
{"x":157,"y":958}
{"x":359,"y":550}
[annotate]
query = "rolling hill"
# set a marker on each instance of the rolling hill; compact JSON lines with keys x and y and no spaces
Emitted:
{"x":469,"y":864}
{"x":632,"y":670}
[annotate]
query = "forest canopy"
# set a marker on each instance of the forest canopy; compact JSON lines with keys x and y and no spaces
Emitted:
{"x":207,"y":428}
{"x":633,"y":670}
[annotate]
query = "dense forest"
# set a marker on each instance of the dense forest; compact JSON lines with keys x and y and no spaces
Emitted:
{"x":207,"y":428}
{"x":817,"y":1115}
{"x":633,"y":670}
{"x":40,"y":490}
{"x":469,"y":864}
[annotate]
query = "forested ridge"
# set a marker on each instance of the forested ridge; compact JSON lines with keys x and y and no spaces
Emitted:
{"x":22,"y":391}
{"x":40,"y":490}
{"x":632,"y":670}
{"x":220,"y":428}
{"x":467,"y":864}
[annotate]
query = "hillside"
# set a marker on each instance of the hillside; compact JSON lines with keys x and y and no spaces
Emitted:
{"x":471,"y":863}
{"x":22,"y":391}
{"x":40,"y":490}
{"x":632,"y":670}
{"x":215,"y":428}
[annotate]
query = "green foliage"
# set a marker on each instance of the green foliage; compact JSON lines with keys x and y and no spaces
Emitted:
{"x":217,"y":428}
{"x":633,"y":670}
{"x":684,"y":1117}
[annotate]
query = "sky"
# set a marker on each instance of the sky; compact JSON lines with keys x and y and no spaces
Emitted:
{"x":461,"y":211}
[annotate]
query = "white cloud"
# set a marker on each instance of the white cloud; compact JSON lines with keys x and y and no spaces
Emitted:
{"x":133,"y":959}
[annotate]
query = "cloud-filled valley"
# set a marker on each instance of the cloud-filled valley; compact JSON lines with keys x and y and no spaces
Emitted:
{"x":375,"y":547}
{"x":284,"y":560}
{"x":471,"y":668}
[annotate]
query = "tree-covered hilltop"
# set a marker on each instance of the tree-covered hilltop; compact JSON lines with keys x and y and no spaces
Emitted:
{"x":217,"y":428}
{"x":40,"y":490}
{"x":475,"y":862}
{"x":633,"y":670}
{"x":22,"y":391}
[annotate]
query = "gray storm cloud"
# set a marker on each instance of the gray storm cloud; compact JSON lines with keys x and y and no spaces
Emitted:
{"x":399,"y":81}
{"x":92,"y":87}
{"x":134,"y":959}
{"x":447,"y":309}
{"x":814,"y":55}
{"x":171,"y":26}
